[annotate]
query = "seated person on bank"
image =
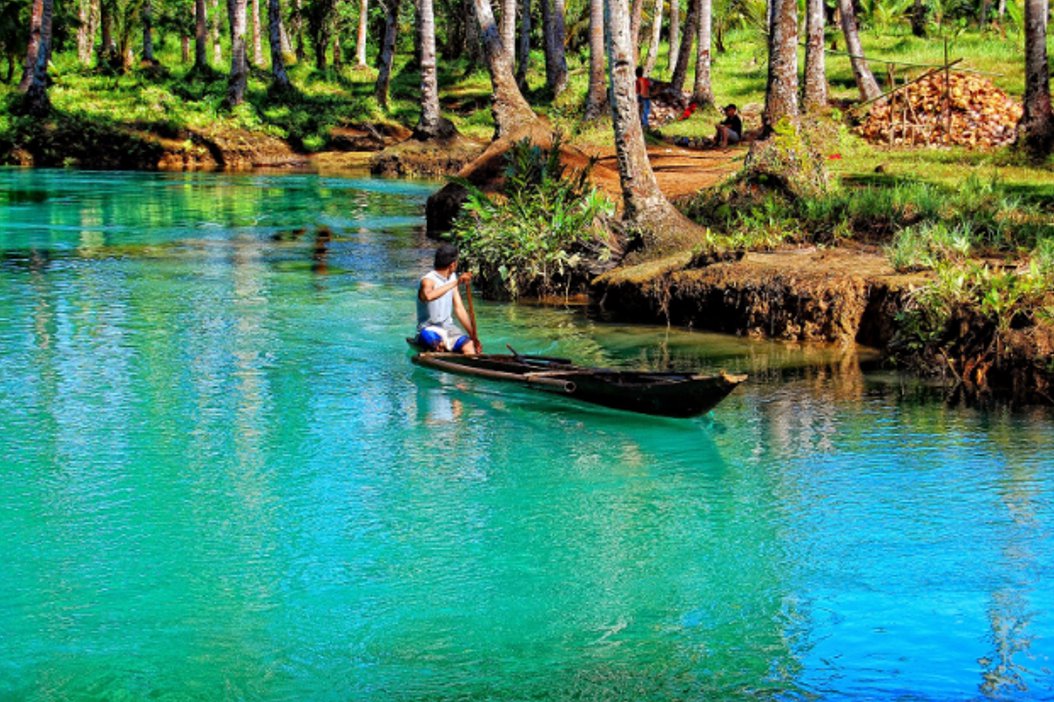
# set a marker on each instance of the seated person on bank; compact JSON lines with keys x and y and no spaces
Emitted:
{"x":438,"y":301}
{"x":730,"y":130}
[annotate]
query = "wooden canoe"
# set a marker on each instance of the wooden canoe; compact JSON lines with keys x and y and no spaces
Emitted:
{"x":667,"y":394}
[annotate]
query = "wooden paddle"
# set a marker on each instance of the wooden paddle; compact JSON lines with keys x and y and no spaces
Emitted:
{"x":472,"y":316}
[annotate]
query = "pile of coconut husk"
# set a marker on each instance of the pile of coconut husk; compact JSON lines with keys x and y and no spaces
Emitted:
{"x":667,"y":105}
{"x":981,"y":116}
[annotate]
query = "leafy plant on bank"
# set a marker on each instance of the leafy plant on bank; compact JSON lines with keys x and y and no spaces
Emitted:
{"x":1001,"y":297}
{"x":543,"y":236}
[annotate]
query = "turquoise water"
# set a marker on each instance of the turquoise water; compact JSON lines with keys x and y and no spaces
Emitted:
{"x":222,"y":478}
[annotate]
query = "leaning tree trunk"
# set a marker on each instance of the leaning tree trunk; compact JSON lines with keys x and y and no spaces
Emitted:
{"x":387,"y":55}
{"x":703,"y":91}
{"x":201,"y":36}
{"x":36,"y":97}
{"x":597,"y":97}
{"x":656,"y":35}
{"x":508,"y":28}
{"x":691,"y":24}
{"x":510,"y":109}
{"x":815,"y":93}
{"x":781,"y":93}
{"x":279,"y":76}
{"x":1036,"y":128}
{"x":865,"y":82}
{"x":36,"y":19}
{"x":148,"y":32}
{"x":431,"y":125}
{"x":360,"y":38}
{"x":646,"y":209}
{"x":214,"y":30}
{"x":239,"y":66}
{"x":675,"y":35}
{"x":523,"y":50}
{"x":257,"y":35}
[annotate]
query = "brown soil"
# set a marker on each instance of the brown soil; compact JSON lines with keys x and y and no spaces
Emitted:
{"x":433,"y":157}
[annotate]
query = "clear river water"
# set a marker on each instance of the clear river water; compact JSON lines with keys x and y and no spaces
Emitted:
{"x":222,"y":478}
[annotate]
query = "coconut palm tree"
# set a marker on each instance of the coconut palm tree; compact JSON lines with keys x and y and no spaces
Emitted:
{"x":646,"y":209}
{"x":702,"y":91}
{"x":675,"y":34}
{"x":36,"y":15}
{"x":815,"y":93}
{"x":509,"y":107}
{"x":280,"y":79}
{"x":387,"y":55}
{"x":201,"y":37}
{"x":239,"y":75}
{"x":691,"y":21}
{"x":597,"y":97}
{"x":523,"y":50}
{"x":508,"y":27}
{"x":36,"y":100}
{"x":781,"y":92}
{"x":865,"y":82}
{"x":656,"y":35}
{"x":431,"y":124}
{"x":360,"y":37}
{"x":1036,"y":128}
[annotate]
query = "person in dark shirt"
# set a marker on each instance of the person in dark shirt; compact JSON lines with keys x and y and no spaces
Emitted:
{"x":730,"y":130}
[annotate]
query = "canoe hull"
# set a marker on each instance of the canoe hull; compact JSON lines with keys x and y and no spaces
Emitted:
{"x":660,"y":393}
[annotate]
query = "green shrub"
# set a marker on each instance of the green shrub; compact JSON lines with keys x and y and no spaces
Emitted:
{"x":543,"y":235}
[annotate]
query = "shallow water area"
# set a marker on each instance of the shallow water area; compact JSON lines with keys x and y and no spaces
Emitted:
{"x":223,"y":478}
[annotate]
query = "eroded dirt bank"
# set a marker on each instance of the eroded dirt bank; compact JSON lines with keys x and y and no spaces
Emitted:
{"x":829,"y":295}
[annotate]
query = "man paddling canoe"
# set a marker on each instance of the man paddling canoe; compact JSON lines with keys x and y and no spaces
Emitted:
{"x":438,"y":301}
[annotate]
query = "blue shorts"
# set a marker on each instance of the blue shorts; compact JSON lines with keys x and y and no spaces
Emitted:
{"x":429,"y":339}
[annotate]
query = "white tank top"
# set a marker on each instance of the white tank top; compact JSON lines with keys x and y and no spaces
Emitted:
{"x":438,"y":312}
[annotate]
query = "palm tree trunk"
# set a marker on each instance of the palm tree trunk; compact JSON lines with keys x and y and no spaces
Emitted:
{"x":84,"y":36}
{"x":148,"y":32}
{"x":429,"y":124}
{"x":865,"y":82}
{"x":691,"y":23}
{"x":703,"y":91}
{"x":360,"y":38}
{"x":1036,"y":128}
{"x":106,"y":46}
{"x":597,"y":97}
{"x":553,"y":32}
{"x":279,"y":76}
{"x":387,"y":55}
{"x":781,"y":93}
{"x":214,"y":29}
{"x":510,"y":109}
{"x":508,"y":27}
{"x":297,"y":22}
{"x":338,"y":53}
{"x":36,"y":97}
{"x":646,"y":209}
{"x":184,"y":47}
{"x":36,"y":18}
{"x":523,"y":50}
{"x":257,"y":35}
{"x":239,"y":65}
{"x":201,"y":31}
{"x":815,"y":93}
{"x":675,"y":35}
{"x":636,"y":16}
{"x":656,"y":36}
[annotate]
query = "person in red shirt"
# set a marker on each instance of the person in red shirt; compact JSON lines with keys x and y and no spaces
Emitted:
{"x":643,"y":97}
